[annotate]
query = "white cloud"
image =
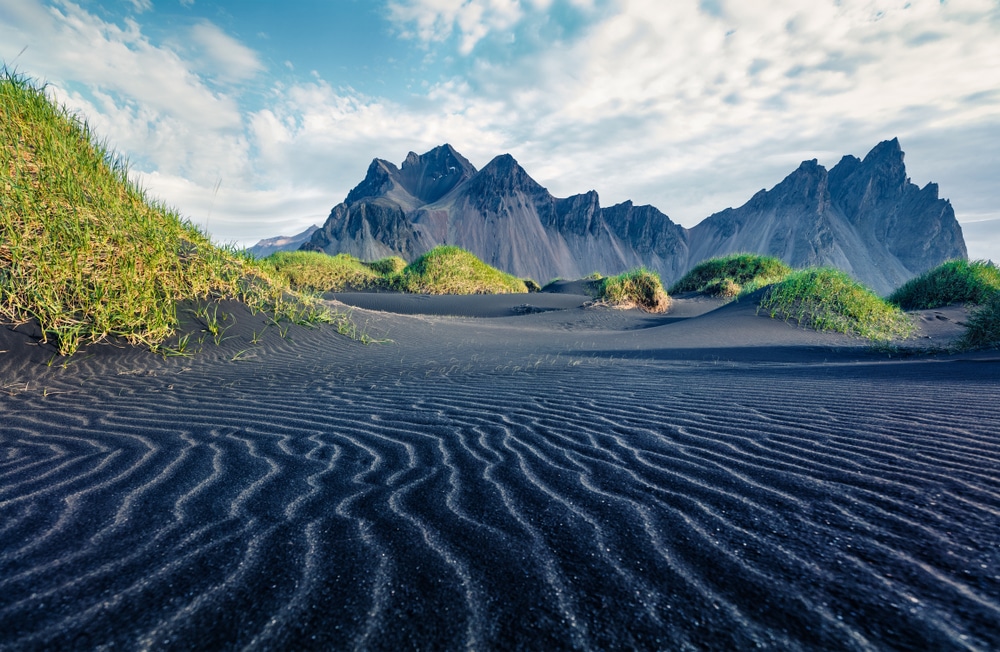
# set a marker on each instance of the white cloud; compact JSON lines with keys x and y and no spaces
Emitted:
{"x":223,"y":56}
{"x":471,"y":20}
{"x":142,"y":5}
{"x":146,"y":100}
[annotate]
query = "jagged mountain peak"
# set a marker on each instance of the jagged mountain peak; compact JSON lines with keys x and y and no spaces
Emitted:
{"x":863,"y":216}
{"x":887,"y":149}
{"x":886,"y":160}
{"x":421,"y":178}
{"x":504,"y":174}
{"x":378,"y":182}
{"x":432,"y":175}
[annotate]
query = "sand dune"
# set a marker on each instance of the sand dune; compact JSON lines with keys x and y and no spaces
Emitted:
{"x":550,"y":478}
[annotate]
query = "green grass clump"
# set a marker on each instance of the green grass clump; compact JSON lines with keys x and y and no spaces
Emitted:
{"x":388,"y":267}
{"x":83,"y":250}
{"x":829,"y":300}
{"x":315,"y":270}
{"x":451,"y":270}
{"x":956,"y":281}
{"x":729,"y":276}
{"x":532,"y":285}
{"x":982,"y":330}
{"x":638,"y":288}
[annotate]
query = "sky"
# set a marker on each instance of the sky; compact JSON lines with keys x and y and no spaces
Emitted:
{"x":254,"y":118}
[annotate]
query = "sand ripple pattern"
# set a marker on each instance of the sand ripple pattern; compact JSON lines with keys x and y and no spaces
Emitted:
{"x":567,"y":507}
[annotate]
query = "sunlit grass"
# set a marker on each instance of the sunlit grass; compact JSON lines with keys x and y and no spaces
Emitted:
{"x":829,"y":300}
{"x":83,"y":250}
{"x":451,"y":270}
{"x":318,"y":271}
{"x":638,"y":288}
{"x":729,"y":276}
{"x":953,"y":282}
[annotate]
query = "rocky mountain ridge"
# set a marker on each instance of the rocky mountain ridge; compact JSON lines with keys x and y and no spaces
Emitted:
{"x":862,"y":216}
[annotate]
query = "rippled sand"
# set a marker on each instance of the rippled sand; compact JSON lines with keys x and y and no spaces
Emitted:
{"x":559,"y":478}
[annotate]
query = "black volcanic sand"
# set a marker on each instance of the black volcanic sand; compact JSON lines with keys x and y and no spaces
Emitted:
{"x":542,"y":476}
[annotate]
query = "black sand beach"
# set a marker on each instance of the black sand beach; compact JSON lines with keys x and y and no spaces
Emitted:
{"x":527,"y":474}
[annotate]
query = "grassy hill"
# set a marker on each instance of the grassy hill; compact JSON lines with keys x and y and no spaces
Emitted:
{"x":729,"y":276}
{"x":83,"y":250}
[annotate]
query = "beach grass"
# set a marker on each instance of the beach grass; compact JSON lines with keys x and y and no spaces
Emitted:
{"x":85,"y":252}
{"x":953,"y":282}
{"x":448,"y":269}
{"x":532,"y":285}
{"x":387,"y":267}
{"x":637,"y":288}
{"x":315,"y":270}
{"x":982,"y":330}
{"x":827,"y":299}
{"x":730,"y":276}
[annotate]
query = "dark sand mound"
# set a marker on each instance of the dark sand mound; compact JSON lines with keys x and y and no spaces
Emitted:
{"x":568,"y":479}
{"x":479,"y":305}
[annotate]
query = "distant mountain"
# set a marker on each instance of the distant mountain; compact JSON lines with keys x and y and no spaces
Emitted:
{"x":268,"y":246}
{"x":864,"y":217}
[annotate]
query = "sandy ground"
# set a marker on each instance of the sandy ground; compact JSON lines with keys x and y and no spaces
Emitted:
{"x":503,"y":473}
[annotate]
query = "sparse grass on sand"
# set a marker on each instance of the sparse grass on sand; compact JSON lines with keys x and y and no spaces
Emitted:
{"x":638,"y":288}
{"x":729,"y":276}
{"x":84,"y":251}
{"x":983,"y":328}
{"x":451,"y":270}
{"x":829,"y":300}
{"x":314,"y":270}
{"x":956,"y":281}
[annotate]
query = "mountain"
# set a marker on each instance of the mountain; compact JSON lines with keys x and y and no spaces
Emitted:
{"x":268,"y":246}
{"x":862,"y":216}
{"x":500,"y":214}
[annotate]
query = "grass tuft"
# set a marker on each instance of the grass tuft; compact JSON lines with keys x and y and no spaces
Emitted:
{"x":982,"y":330}
{"x":730,"y":276}
{"x":314,"y":270}
{"x":532,"y":285}
{"x":451,"y":270}
{"x":83,"y":250}
{"x":829,"y":300}
{"x":956,"y":281}
{"x":638,"y":288}
{"x":388,"y":267}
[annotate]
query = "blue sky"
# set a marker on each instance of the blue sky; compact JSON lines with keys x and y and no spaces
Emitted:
{"x":255,"y":118}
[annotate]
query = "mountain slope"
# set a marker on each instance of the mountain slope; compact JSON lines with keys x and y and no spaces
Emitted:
{"x":863,"y":216}
{"x":268,"y":246}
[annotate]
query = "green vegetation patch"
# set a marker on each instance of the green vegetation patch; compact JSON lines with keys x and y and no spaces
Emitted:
{"x":388,"y":267}
{"x":729,"y":276}
{"x":315,"y":270}
{"x":956,"y":281}
{"x":82,"y":249}
{"x":638,"y":288}
{"x":829,"y":300}
{"x":451,"y":270}
{"x":983,"y":327}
